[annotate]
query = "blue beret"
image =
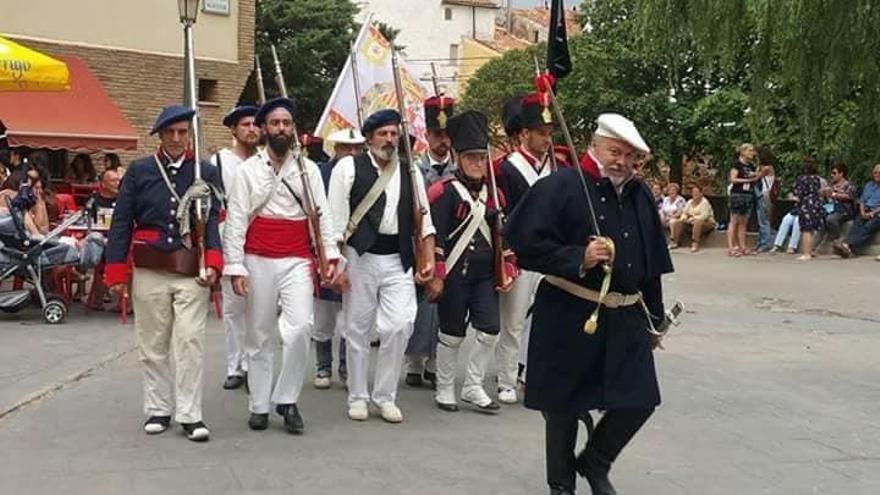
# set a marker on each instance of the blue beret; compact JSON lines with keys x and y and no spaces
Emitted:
{"x":272,"y":104}
{"x":170,"y":115}
{"x":379,"y":119}
{"x":231,"y":119}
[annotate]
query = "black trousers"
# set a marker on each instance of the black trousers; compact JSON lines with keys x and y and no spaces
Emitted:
{"x":469,"y":298}
{"x":612,"y":433}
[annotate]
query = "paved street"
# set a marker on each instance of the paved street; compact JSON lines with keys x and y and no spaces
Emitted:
{"x":771,"y":386}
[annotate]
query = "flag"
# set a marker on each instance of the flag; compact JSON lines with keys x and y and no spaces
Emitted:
{"x":558,"y":58}
{"x":372,"y":57}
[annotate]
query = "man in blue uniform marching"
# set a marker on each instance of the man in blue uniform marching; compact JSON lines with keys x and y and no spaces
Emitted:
{"x":437,"y":165}
{"x":577,"y":363}
{"x":464,"y":211}
{"x":153,"y":230}
{"x":518,"y":172}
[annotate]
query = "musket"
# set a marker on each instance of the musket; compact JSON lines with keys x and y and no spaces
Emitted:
{"x":356,"y":81}
{"x":592,"y":323}
{"x":261,"y":88}
{"x":197,"y":164}
{"x":312,"y":212}
{"x":502,"y":278}
{"x":434,"y":79}
{"x":423,"y":254}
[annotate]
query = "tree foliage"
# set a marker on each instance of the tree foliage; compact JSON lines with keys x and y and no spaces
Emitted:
{"x":809,"y":61}
{"x":313,"y":39}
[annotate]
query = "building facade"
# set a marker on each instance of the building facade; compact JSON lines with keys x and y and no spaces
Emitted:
{"x":135,"y":49}
{"x":433,"y":31}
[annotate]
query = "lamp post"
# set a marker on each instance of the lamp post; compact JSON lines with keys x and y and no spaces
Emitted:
{"x":189,"y":11}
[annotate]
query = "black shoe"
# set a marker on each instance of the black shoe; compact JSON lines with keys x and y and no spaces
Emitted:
{"x":156,"y":424}
{"x":431,"y":378}
{"x":258,"y":422}
{"x":197,"y":432}
{"x":560,"y":490}
{"x":233,"y":382}
{"x":447,"y":407}
{"x":292,"y":419}
{"x":590,"y":465}
{"x":414,"y":379}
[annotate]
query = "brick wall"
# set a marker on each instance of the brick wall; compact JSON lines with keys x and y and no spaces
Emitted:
{"x":141,"y":84}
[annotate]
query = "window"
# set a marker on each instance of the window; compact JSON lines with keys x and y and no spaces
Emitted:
{"x":453,"y":54}
{"x":447,"y":14}
{"x":207,"y":90}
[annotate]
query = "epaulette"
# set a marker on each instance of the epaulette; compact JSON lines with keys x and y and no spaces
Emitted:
{"x":436,"y":189}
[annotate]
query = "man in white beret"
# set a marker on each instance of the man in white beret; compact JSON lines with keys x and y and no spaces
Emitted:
{"x":571,"y":371}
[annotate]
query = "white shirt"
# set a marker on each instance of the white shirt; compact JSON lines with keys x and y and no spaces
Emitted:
{"x":341,"y":181}
{"x":258,"y":191}
{"x":229,"y":163}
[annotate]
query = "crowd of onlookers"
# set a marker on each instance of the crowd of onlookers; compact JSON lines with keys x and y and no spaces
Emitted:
{"x":822,"y":206}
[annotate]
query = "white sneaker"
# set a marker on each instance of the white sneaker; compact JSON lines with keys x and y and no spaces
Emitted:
{"x":358,"y":411}
{"x":507,"y":396}
{"x":479,"y":400}
{"x":322,"y":382}
{"x":390,"y":412}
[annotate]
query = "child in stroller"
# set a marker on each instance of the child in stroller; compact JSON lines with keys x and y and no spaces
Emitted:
{"x":28,"y":256}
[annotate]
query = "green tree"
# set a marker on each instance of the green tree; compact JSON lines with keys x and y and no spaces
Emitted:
{"x":313,"y":39}
{"x":814,"y":62}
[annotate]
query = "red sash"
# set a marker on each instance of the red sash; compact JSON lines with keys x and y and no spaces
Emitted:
{"x":278,"y":238}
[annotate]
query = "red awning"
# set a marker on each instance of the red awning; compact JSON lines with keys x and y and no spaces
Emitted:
{"x":81,"y":119}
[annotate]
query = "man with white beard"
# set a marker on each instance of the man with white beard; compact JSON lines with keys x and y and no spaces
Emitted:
{"x":268,"y":253}
{"x":371,"y":198}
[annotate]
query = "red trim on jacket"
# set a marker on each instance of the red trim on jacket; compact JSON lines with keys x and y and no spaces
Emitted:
{"x":214,"y":259}
{"x":278,"y":238}
{"x":590,"y":166}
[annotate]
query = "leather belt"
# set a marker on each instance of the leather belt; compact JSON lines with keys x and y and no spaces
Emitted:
{"x":179,"y":261}
{"x":612,"y":299}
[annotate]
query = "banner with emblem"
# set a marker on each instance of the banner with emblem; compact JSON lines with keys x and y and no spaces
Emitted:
{"x":375,"y":82}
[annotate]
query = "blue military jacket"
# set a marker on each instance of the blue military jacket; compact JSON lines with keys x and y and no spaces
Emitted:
{"x":146,"y":210}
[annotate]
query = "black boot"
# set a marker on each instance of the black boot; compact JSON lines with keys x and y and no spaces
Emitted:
{"x":343,"y":367}
{"x":324,"y":364}
{"x":560,"y":436}
{"x":560,"y":490}
{"x":258,"y":422}
{"x":233,"y":382}
{"x":413,"y":379}
{"x":612,"y":433}
{"x":292,"y":419}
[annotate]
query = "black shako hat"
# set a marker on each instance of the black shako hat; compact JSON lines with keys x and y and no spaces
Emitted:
{"x":231,"y":119}
{"x":438,"y":110}
{"x":380,"y":119}
{"x":266,"y":108}
{"x":171,"y":115}
{"x":511,"y":114}
{"x":535,"y":111}
{"x":469,"y":131}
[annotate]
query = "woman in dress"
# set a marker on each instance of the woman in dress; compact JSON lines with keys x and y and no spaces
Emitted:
{"x":808,"y":189}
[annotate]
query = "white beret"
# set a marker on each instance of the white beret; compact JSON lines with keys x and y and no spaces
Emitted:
{"x":616,"y":126}
{"x":346,"y":136}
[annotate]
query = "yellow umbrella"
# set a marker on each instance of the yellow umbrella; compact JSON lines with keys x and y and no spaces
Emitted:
{"x":23,"y":69}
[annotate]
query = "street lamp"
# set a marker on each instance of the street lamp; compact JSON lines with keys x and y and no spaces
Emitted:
{"x":189,"y":11}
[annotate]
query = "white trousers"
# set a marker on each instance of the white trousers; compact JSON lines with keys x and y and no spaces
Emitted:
{"x":235,"y":323}
{"x":171,"y":312}
{"x":513,"y":307}
{"x":328,"y":320}
{"x":286,"y":282}
{"x":385,"y":295}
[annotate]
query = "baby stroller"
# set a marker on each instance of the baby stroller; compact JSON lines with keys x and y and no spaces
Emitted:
{"x":26,"y":258}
